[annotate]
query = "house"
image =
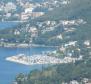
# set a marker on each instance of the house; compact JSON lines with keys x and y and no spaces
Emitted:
{"x":87,"y":42}
{"x":60,"y":36}
{"x":62,"y":49}
{"x":74,"y":82}
{"x":33,"y":31}
{"x":36,"y":14}
{"x":9,"y":6}
{"x":16,"y":32}
{"x":71,"y":43}
{"x":29,"y":10}
{"x":24,"y":16}
{"x":86,"y":81}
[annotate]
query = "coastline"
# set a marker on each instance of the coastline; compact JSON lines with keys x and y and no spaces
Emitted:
{"x":34,"y":60}
{"x":40,"y":59}
{"x":23,"y":45}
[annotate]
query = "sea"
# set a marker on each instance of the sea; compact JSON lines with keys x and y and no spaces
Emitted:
{"x":4,"y":25}
{"x":9,"y":70}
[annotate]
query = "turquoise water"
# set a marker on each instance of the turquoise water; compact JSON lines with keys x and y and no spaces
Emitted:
{"x":9,"y":70}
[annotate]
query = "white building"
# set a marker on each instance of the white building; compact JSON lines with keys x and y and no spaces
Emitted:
{"x":29,"y":10}
{"x":72,"y":43}
{"x":60,"y":36}
{"x":24,"y":16}
{"x":8,"y":15}
{"x":87,"y":43}
{"x":33,"y":31}
{"x":74,"y":82}
{"x":9,"y":6}
{"x":16,"y":32}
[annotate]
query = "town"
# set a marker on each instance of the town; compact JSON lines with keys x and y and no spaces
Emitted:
{"x":21,"y":10}
{"x":56,"y":33}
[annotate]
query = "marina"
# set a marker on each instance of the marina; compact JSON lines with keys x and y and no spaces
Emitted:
{"x":40,"y":59}
{"x":9,"y":69}
{"x":35,"y":59}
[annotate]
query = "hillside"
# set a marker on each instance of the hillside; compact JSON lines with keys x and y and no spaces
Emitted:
{"x":62,"y":26}
{"x":50,"y":25}
{"x":58,"y":74}
{"x":45,"y":41}
{"x":72,"y":10}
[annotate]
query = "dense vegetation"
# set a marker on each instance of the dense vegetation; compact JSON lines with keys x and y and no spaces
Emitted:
{"x":76,"y":9}
{"x":58,"y":74}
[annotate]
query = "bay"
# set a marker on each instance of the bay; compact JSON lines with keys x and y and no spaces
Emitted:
{"x":4,"y":25}
{"x":9,"y":70}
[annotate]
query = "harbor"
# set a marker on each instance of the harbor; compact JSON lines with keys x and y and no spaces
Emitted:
{"x":35,"y":59}
{"x":40,"y":59}
{"x":9,"y":69}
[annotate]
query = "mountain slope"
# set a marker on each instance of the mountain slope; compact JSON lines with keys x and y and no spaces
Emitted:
{"x":72,"y":11}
